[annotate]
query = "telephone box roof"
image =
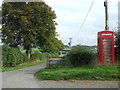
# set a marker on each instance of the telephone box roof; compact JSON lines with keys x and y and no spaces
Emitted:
{"x":105,"y":32}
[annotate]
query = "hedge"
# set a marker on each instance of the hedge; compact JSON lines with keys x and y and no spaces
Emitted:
{"x":81,"y":55}
{"x":12,"y":56}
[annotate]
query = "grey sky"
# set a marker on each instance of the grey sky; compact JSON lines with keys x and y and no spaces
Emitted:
{"x":71,"y":13}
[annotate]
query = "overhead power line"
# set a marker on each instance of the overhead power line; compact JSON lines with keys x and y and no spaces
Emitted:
{"x":85,"y":19}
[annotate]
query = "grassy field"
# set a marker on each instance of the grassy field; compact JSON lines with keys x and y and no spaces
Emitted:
{"x":24,"y":65}
{"x":65,"y":72}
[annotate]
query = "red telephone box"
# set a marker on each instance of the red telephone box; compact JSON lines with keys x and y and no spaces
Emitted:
{"x":106,"y":47}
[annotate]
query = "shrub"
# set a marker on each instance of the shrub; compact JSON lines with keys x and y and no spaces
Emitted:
{"x":45,"y":55}
{"x":12,"y":56}
{"x":35,"y":56}
{"x":81,"y":55}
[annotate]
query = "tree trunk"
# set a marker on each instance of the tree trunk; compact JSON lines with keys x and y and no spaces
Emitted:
{"x":28,"y":52}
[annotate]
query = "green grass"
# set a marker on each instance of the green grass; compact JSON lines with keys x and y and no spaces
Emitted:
{"x":65,"y":72}
{"x":35,"y":49}
{"x":22,"y":66}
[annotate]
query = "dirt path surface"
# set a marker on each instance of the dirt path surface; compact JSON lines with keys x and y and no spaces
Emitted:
{"x":24,"y":78}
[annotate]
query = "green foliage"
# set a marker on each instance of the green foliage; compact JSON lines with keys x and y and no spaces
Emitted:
{"x":118,"y":45}
{"x":12,"y":56}
{"x":29,"y":25}
{"x":81,"y":55}
{"x":53,"y":45}
{"x":36,"y":56}
{"x":62,"y":70}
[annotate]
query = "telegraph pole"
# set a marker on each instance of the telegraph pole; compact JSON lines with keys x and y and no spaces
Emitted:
{"x":70,"y":43}
{"x":118,"y":44}
{"x":106,"y":15}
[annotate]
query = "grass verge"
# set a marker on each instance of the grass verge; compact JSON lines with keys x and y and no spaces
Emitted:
{"x":24,"y":65}
{"x":65,"y":72}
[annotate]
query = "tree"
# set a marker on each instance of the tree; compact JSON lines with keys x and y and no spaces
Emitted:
{"x":118,"y":43}
{"x":53,"y":45}
{"x":28,"y":24}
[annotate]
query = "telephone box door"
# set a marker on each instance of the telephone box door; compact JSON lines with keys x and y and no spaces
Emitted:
{"x":106,"y":47}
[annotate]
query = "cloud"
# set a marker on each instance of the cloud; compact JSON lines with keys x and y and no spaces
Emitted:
{"x":71,"y":13}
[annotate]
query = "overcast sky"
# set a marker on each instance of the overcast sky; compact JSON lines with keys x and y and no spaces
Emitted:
{"x":71,"y":13}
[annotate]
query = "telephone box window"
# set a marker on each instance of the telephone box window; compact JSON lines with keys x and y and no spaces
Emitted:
{"x":105,"y":53}
{"x":107,"y":42}
{"x":105,"y":46}
{"x":106,"y":34}
{"x":106,"y":39}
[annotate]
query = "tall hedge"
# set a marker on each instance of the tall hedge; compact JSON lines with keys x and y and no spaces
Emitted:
{"x":12,"y":56}
{"x":81,"y":55}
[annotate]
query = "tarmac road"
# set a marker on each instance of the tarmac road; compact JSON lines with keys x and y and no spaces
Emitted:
{"x":24,"y":78}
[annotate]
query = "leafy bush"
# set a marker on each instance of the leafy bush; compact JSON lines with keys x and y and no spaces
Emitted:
{"x":12,"y":56}
{"x":35,"y":56}
{"x":117,"y":42}
{"x":81,"y":55}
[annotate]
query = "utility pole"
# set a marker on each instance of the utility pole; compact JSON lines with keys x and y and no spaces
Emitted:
{"x":70,"y":43}
{"x":106,"y":15}
{"x":119,"y":17}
